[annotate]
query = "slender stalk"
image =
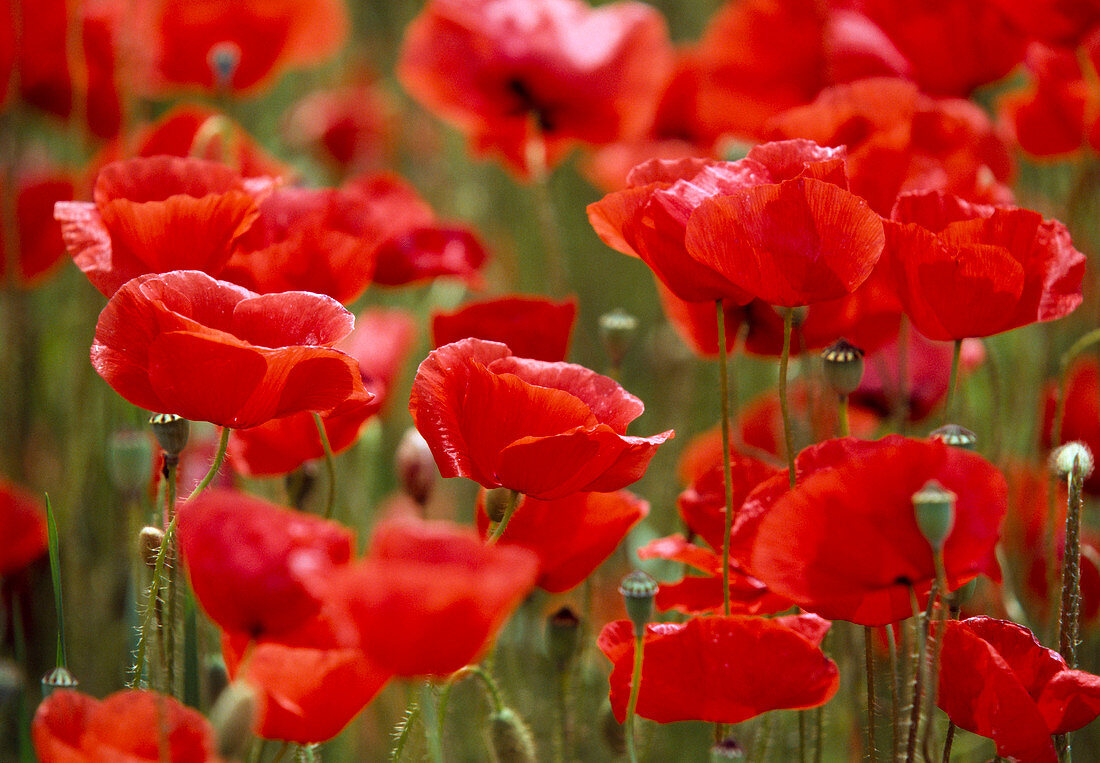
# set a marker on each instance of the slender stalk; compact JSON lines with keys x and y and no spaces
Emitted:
{"x":869,"y":661}
{"x":19,"y":635}
{"x":936,"y":635}
{"x":895,"y":693}
{"x":952,"y":382}
{"x":330,"y":467}
{"x":1069,"y":613}
{"x":191,"y":682}
{"x":55,"y":574}
{"x":502,"y":525}
{"x":842,"y":416}
{"x":171,"y":560}
{"x":632,"y":704}
{"x":727,"y":468}
{"x":544,"y":209}
{"x":492,"y":691}
{"x":432,"y":728}
{"x":219,"y":456}
{"x":919,"y":665}
{"x":784,"y":360}
{"x":903,"y":374}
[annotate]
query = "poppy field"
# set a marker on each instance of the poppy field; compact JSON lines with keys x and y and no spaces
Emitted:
{"x":534,"y":380}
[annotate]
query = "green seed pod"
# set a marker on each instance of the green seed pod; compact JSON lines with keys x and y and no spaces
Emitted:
{"x":843,"y":366}
{"x":58,"y":678}
{"x":727,"y":749}
{"x":934,"y":507}
{"x":617,"y":331}
{"x":638,"y":590}
{"x":563,"y":629}
{"x":172,"y":432}
{"x":232,"y":717}
{"x":955,"y":436}
{"x":510,"y":740}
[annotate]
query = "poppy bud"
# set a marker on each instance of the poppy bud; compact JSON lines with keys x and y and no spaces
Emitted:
{"x":613,"y":733}
{"x":955,"y":436}
{"x":638,"y":590}
{"x":617,"y":331}
{"x":416,"y":467}
{"x":963,"y":593}
{"x":510,"y":740}
{"x":727,"y":749}
{"x":934,"y":506}
{"x":223,"y":60}
{"x":843,"y":366}
{"x":562,"y":637}
{"x":172,"y":432}
{"x":498,"y":501}
{"x":217,"y":678}
{"x":149,"y":541}
{"x":58,"y":678}
{"x":128,"y":455}
{"x":232,"y":717}
{"x":1072,"y":457}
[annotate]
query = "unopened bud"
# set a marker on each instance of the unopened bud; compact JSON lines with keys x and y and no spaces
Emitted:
{"x":416,"y":467}
{"x":232,"y":717}
{"x":617,"y":331}
{"x":172,"y":432}
{"x":638,"y":590}
{"x":510,"y":739}
{"x":223,"y":60}
{"x":1072,"y":457}
{"x":563,"y":630}
{"x":58,"y":678}
{"x":149,"y":542}
{"x":727,"y":749}
{"x":217,"y":678}
{"x":498,"y":502}
{"x":955,"y":436}
{"x":129,"y":454}
{"x":934,"y":507}
{"x":843,"y":366}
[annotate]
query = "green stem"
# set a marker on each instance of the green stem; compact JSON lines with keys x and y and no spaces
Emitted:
{"x":219,"y":456}
{"x":895,"y":693}
{"x":842,"y":416}
{"x":492,"y":691}
{"x":948,"y":741}
{"x":502,"y":525}
{"x":936,"y":635}
{"x":632,"y":704}
{"x":919,"y":664}
{"x":544,"y":209}
{"x":784,"y":360}
{"x":430,"y":718}
{"x":330,"y":467}
{"x":404,"y":730}
{"x":1069,"y":614}
{"x":191,"y":682}
{"x":19,"y":635}
{"x":869,"y":661}
{"x":55,"y":574}
{"x":727,"y":467}
{"x":172,"y":562}
{"x":952,"y":381}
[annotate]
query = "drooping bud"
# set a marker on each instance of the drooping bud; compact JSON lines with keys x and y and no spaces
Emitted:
{"x":172,"y":432}
{"x":498,"y":502}
{"x":563,"y":630}
{"x":129,"y":454}
{"x":955,"y":436}
{"x":416,"y":467}
{"x":58,"y":678}
{"x":727,"y":749}
{"x":510,"y":740}
{"x":232,"y":717}
{"x":638,"y":590}
{"x":149,"y":541}
{"x":223,"y":60}
{"x":617,"y":331}
{"x":934,"y":506}
{"x":843,"y":364}
{"x":1072,"y":457}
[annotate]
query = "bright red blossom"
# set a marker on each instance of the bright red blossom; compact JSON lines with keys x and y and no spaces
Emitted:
{"x":207,"y":350}
{"x":37,"y":234}
{"x":532,"y":327}
{"x":22,"y":528}
{"x":542,"y":429}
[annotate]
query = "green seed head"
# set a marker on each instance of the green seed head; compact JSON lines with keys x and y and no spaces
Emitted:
{"x":934,"y":506}
{"x":843,"y":366}
{"x":172,"y":432}
{"x":955,"y":436}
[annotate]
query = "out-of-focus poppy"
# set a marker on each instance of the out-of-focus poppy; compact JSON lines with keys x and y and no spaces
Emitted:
{"x":721,"y":669}
{"x":1055,"y":114}
{"x":380,"y":343}
{"x":37,"y":233}
{"x":255,"y":567}
{"x":844,"y":543}
{"x":207,"y":350}
{"x":572,"y":536}
{"x":1082,"y":417}
{"x":128,"y":725}
{"x":156,"y":214}
{"x":998,"y":681}
{"x":542,"y":429}
{"x":413,"y":244}
{"x":351,"y":126}
{"x":1056,"y":22}
{"x":507,"y":72}
{"x":900,"y":140}
{"x":532,"y":327}
{"x":970,"y":270}
{"x":22,"y":528}
{"x":241,"y":45}
{"x":429,"y":596}
{"x":703,"y":504}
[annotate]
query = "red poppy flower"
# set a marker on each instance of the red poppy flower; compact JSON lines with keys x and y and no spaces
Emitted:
{"x":351,"y":126}
{"x":998,"y":681}
{"x":22,"y":528}
{"x":844,"y":543}
{"x":968,"y":270}
{"x":255,"y":567}
{"x":1057,"y":22}
{"x":703,"y":504}
{"x":128,"y":725}
{"x":504,"y":71}
{"x":429,"y":596}
{"x":380,"y":343}
{"x":703,"y":591}
{"x":1082,"y":417}
{"x":413,"y":245}
{"x":1054,"y":115}
{"x":543,"y":429}
{"x":37,"y":234}
{"x":156,"y":214}
{"x":572,"y":536}
{"x":208,"y":350}
{"x":898,"y":139}
{"x":721,"y":669}
{"x":532,"y":327}
{"x":242,"y":45}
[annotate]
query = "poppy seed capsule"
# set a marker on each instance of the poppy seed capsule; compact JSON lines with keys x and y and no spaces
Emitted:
{"x":58,"y":678}
{"x":563,"y":630}
{"x":1070,"y":457}
{"x":232,"y":717}
{"x":934,"y":507}
{"x":617,"y":331}
{"x":727,"y":749}
{"x":149,"y":541}
{"x":843,"y":366}
{"x":955,"y":436}
{"x":416,"y":467}
{"x":638,"y":590}
{"x":510,"y":739}
{"x":498,"y":501}
{"x":172,"y":432}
